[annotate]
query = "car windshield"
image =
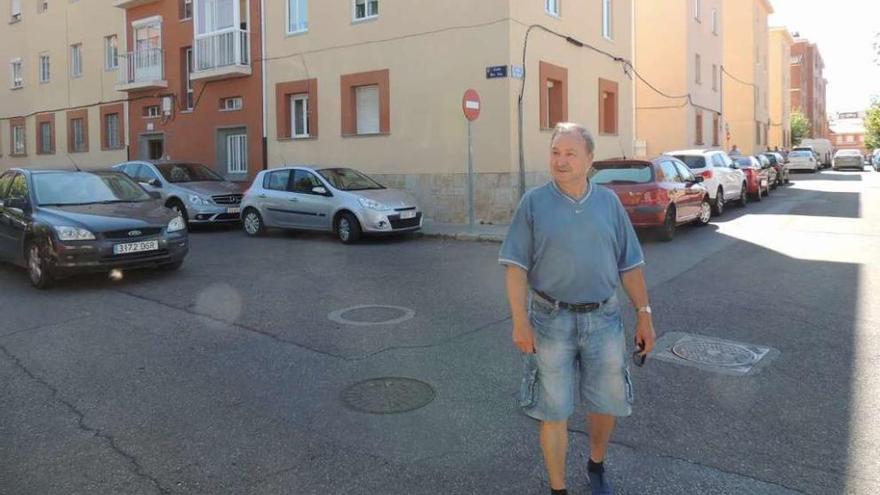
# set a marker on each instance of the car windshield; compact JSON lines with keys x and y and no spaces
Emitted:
{"x":800,"y":154}
{"x":849,"y":153}
{"x":83,"y":188}
{"x":771,"y":158}
{"x":187,"y":172}
{"x":692,"y":161}
{"x":621,"y":173}
{"x":346,"y":179}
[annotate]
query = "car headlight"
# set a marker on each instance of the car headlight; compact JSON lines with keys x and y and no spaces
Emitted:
{"x":198,"y":200}
{"x":176,"y":225}
{"x":373,"y":205}
{"x":74,"y":234}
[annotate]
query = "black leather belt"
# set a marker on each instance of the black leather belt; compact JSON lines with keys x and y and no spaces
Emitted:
{"x":577,"y":308}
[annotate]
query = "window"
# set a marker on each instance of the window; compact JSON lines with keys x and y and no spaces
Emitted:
{"x":5,"y":180}
{"x":683,"y":171}
{"x":46,"y":145}
{"x":111,"y":131}
{"x":670,"y":172}
{"x":233,"y":103}
{"x":850,"y":138}
{"x":151,"y":111}
{"x":608,"y":102}
{"x":297,"y":16}
{"x":716,"y":123}
{"x":698,"y":68}
{"x":42,"y":6}
{"x":18,"y":140}
{"x":236,"y":154}
{"x":552,"y":7}
{"x":299,"y":118}
{"x":76,"y":60}
{"x":15,"y":11}
{"x":553,"y":100}
{"x":277,"y":181}
{"x":698,"y":127}
{"x":77,"y":129}
{"x":367,"y":104}
{"x":187,"y":81}
{"x":365,"y":9}
{"x":715,"y":22}
{"x":44,"y":68}
{"x":186,"y":9}
{"x":714,"y":77}
{"x":111,"y":52}
{"x":303,"y":182}
{"x":607,"y":19}
{"x":18,"y":189}
{"x":697,"y":10}
{"x":16,"y":74}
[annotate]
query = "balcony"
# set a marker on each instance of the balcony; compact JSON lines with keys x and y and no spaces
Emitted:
{"x":221,"y":55}
{"x":127,"y":4}
{"x":141,"y":70}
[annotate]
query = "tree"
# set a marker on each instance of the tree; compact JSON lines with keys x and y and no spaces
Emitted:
{"x":872,"y":126}
{"x":800,"y":127}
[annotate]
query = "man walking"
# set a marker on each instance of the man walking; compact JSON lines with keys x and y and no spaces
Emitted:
{"x":569,"y":247}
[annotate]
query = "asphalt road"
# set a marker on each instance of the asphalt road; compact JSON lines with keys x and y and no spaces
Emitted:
{"x":229,"y":376}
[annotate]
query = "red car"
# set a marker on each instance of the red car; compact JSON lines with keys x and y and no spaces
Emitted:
{"x":660,"y":193}
{"x":757,"y":177}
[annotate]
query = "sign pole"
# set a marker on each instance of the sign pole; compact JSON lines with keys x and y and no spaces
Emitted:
{"x":471,"y":210}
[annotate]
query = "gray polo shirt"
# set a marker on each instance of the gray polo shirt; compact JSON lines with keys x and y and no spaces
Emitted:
{"x":573,"y":251}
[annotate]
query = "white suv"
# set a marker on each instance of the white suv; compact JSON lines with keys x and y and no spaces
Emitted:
{"x":720,"y":176}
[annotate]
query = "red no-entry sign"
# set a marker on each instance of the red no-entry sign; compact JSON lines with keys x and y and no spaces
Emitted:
{"x":470,"y":104}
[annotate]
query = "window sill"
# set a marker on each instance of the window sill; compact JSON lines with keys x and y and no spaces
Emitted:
{"x":231,"y":109}
{"x":188,"y":110}
{"x":364,"y":19}
{"x":301,"y":138}
{"x":555,"y":16}
{"x":17,"y":155}
{"x":290,"y":34}
{"x":186,"y":19}
{"x":366,"y":135}
{"x":118,"y":148}
{"x":111,"y":69}
{"x":609,"y":134}
{"x":78,"y":151}
{"x":45,"y":153}
{"x":14,"y":21}
{"x":16,"y":88}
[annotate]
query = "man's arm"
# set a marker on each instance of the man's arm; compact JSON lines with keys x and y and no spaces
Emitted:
{"x":634,"y":284}
{"x":518,"y":297}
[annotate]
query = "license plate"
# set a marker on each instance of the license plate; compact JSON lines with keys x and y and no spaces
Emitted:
{"x":406,"y":215}
{"x":233,"y":210}
{"x":136,"y":247}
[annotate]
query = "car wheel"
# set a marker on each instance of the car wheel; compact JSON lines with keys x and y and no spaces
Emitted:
{"x":719,"y":202}
{"x":705,"y":212}
{"x":38,"y":268}
{"x":252,"y":223}
{"x":744,"y":195}
{"x":348,"y":229}
{"x":667,"y":231}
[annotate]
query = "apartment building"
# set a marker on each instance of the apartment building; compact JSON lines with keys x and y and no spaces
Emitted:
{"x":746,"y":74}
{"x":687,"y":62}
{"x":780,"y":88}
{"x":808,"y":85}
{"x":377,"y":85}
{"x":192,"y":70}
{"x":59,"y":105}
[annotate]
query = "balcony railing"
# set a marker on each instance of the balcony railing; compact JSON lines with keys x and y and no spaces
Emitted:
{"x":142,"y":69}
{"x":222,"y":54}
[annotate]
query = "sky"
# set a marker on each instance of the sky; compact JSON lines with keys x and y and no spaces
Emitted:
{"x":845,"y":32}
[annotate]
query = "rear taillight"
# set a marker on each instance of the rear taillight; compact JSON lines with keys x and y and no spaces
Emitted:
{"x":706,"y":175}
{"x":654,"y":196}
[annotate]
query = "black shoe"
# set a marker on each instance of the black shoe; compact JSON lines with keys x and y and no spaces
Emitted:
{"x":599,"y":485}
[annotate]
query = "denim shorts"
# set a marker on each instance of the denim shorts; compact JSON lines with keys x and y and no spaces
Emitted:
{"x":583,"y":350}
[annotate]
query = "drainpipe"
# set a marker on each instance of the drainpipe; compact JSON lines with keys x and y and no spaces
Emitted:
{"x":264,"y":71}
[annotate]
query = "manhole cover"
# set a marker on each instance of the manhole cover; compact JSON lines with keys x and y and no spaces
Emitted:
{"x":388,"y":395}
{"x":372,"y":314}
{"x":715,"y":353}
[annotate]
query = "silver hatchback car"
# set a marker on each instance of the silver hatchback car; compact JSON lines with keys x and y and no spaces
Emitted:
{"x":339,"y":200}
{"x":194,"y":191}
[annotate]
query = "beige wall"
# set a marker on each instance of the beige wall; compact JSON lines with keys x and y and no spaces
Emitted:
{"x":662,"y":123}
{"x":53,"y":32}
{"x":746,"y":58}
{"x":780,"y":88}
{"x":434,"y":51}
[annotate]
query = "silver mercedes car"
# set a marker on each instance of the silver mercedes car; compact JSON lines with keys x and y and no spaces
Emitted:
{"x":194,"y":191}
{"x":339,"y":200}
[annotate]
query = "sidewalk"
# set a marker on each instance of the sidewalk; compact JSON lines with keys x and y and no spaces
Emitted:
{"x":464,"y":232}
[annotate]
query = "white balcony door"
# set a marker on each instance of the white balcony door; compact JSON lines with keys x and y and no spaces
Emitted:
{"x":147,"y":63}
{"x":219,"y":37}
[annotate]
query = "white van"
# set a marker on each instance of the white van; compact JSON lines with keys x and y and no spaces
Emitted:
{"x":822,"y":147}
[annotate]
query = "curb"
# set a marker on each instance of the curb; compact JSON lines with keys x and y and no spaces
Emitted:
{"x":464,"y":236}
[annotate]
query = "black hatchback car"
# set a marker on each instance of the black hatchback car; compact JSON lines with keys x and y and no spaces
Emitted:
{"x":58,"y":223}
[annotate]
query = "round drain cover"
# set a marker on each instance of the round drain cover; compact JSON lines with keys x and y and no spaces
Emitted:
{"x":388,"y":395}
{"x":715,"y":353}
{"x":372,"y":314}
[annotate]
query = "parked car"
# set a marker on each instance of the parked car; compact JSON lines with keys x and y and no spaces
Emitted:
{"x":194,"y":191}
{"x":823,"y":149}
{"x":661,"y":193}
{"x":757,"y":177}
{"x":340,"y":200}
{"x":61,"y":223}
{"x":780,"y":165}
{"x":723,"y":181}
{"x":803,"y":160}
{"x":848,"y":159}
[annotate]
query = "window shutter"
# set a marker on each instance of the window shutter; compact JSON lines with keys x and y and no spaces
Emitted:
{"x":367,"y":109}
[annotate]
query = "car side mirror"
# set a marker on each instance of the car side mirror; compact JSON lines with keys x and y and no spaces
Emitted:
{"x":698,"y":179}
{"x":17,"y":203}
{"x":155,"y":194}
{"x":320,"y":190}
{"x":155,"y":183}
